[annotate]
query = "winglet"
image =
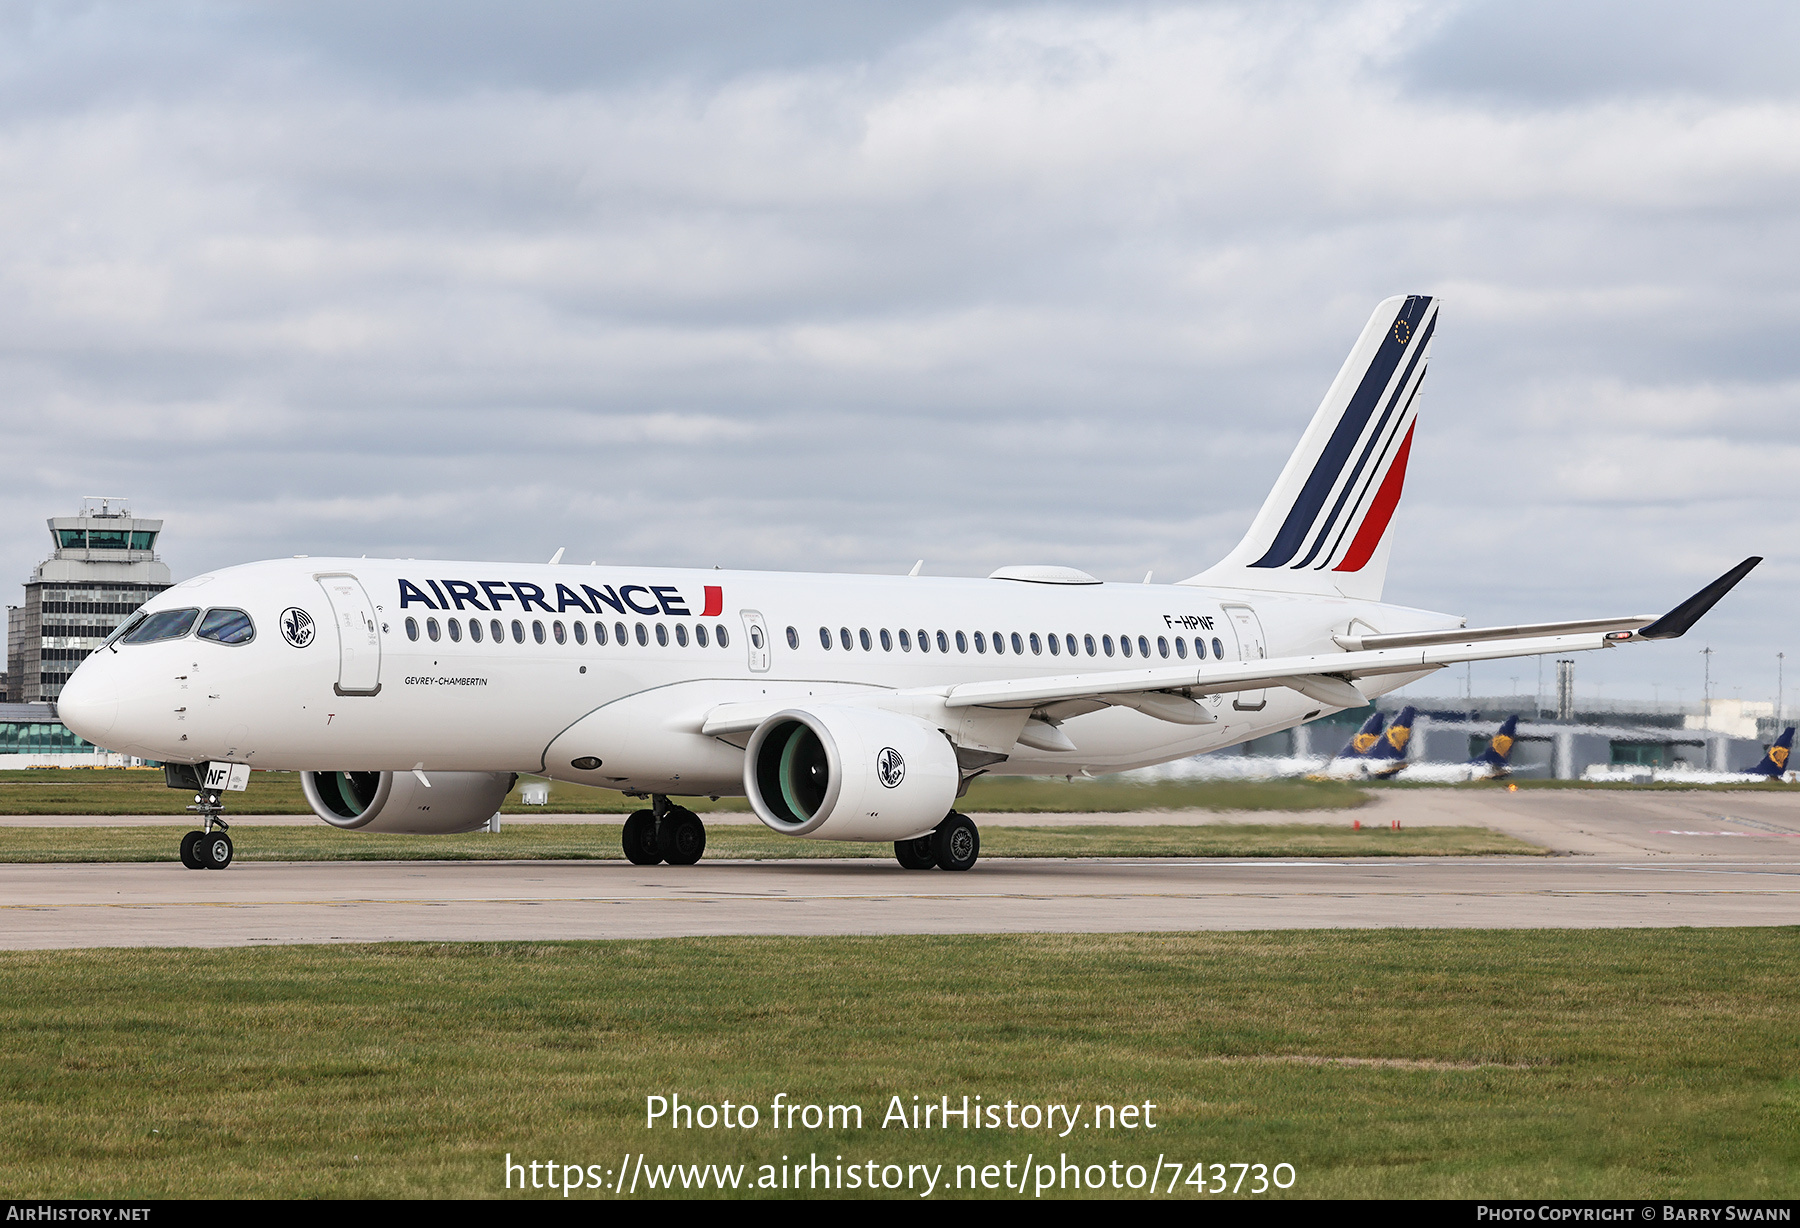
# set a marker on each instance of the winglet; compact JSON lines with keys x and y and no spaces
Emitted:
{"x":1677,"y":621}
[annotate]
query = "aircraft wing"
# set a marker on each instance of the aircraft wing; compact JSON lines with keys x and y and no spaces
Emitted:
{"x":1329,"y":677}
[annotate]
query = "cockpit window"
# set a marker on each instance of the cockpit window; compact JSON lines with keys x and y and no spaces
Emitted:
{"x":227,"y":627}
{"x":125,"y":628}
{"x":163,"y":625}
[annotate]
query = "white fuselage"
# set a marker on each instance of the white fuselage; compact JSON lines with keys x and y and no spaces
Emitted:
{"x":357,"y":692}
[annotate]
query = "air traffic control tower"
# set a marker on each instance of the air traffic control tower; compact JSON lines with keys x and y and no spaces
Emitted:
{"x":103,"y":567}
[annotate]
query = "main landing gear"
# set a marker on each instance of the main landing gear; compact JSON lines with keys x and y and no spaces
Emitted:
{"x":666,"y":832}
{"x":953,"y":845}
{"x":207,"y":849}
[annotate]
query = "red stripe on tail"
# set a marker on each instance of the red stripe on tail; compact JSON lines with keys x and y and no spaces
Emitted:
{"x":1380,"y":512}
{"x":715,"y":602}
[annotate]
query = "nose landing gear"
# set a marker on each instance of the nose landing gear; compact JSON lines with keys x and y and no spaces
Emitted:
{"x":666,"y":832}
{"x":207,"y":849}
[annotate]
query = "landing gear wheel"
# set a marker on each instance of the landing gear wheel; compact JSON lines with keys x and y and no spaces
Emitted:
{"x":681,"y":836}
{"x":956,"y":843}
{"x":640,"y":839}
{"x":915,"y":854}
{"x":190,"y":855}
{"x":214,"y":850}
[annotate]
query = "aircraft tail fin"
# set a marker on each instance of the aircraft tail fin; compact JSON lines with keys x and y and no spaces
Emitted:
{"x":1774,"y":763}
{"x":1497,"y":757}
{"x":1323,"y":528}
{"x":1388,"y":755}
{"x":1366,"y":738}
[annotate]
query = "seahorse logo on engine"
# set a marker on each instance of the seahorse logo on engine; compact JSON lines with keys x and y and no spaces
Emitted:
{"x":890,"y":767}
{"x":297,"y":627}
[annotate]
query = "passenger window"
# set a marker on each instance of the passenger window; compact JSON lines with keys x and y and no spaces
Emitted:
{"x":1218,"y":648}
{"x":475,"y":630}
{"x":412,"y":628}
{"x":962,"y":641}
{"x":599,"y":634}
{"x":431,"y":630}
{"x":1162,"y":646}
{"x":980,"y":641}
{"x":580,"y":630}
{"x":537,"y":629}
{"x":700,"y":634}
{"x":887,"y":641}
{"x":863,"y":636}
{"x":1125,"y":645}
{"x":793,"y":638}
{"x":943,"y":642}
{"x":721,"y":636}
{"x":1181,"y":648}
{"x":620,"y":636}
{"x":1055,"y":645}
{"x":681,"y":635}
{"x":1144,"y":646}
{"x":844,"y":638}
{"x":825,"y":638}
{"x":454,"y":626}
{"x":1106,"y":643}
{"x":227,"y":627}
{"x":999,"y":643}
{"x":496,"y":631}
{"x":1019,"y":644}
{"x":163,"y":625}
{"x":662,"y":635}
{"x":643,"y":636}
{"x":905,"y":640}
{"x":558,"y":632}
{"x":925,"y":641}
{"x":1071,"y":643}
{"x":1089,"y":641}
{"x":1037,"y":645}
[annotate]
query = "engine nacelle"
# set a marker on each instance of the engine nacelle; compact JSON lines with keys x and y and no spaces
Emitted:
{"x":842,"y":773}
{"x":397,"y":802}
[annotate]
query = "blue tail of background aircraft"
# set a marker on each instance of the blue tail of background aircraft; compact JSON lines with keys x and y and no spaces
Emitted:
{"x":1365,"y":740}
{"x":1388,"y":755}
{"x":1496,"y":757}
{"x":1775,"y":762}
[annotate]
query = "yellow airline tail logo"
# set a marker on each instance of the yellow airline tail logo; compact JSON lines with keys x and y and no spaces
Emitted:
{"x":1778,"y":755}
{"x":1362,"y":742}
{"x":1398,"y":735}
{"x":1502,"y":745}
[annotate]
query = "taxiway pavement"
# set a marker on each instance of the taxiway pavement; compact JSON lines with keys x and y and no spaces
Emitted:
{"x":1628,"y":859}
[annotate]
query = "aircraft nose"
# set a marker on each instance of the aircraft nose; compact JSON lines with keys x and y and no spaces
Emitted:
{"x":89,"y":703}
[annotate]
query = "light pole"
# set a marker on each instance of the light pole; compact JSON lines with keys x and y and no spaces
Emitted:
{"x":1706,"y":694}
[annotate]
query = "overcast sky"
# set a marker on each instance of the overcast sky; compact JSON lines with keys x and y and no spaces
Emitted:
{"x":833,"y":285}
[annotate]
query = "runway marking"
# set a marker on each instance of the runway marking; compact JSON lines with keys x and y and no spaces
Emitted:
{"x":1791,"y":834}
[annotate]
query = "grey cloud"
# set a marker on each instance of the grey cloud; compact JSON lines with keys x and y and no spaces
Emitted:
{"x":986,"y":284}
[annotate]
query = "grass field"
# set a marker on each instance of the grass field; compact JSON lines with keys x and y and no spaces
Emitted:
{"x":600,"y":841}
{"x":1522,"y":1064}
{"x":53,"y":791}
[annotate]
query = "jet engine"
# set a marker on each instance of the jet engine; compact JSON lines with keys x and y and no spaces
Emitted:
{"x":399,"y":802}
{"x":842,"y":773}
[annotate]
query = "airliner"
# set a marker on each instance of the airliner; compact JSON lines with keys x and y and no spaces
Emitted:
{"x":1772,"y":768}
{"x":410,"y":694}
{"x":1374,"y":753}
